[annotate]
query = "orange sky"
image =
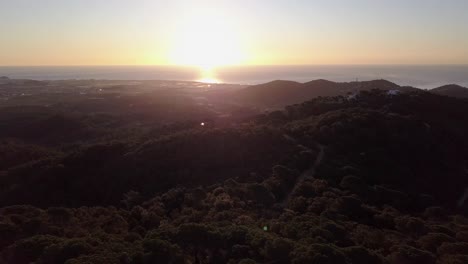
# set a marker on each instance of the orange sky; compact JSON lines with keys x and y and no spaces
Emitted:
{"x":210,"y":33}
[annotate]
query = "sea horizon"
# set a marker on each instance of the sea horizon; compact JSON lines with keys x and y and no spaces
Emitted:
{"x":419,"y":76}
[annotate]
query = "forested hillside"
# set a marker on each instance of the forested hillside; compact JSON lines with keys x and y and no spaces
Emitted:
{"x":374,"y":178}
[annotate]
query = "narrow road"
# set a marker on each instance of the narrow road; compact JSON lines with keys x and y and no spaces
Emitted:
{"x":309,"y":173}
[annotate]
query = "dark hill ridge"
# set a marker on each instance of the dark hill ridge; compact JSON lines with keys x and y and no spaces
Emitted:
{"x":451,"y":90}
{"x":269,"y":93}
{"x":281,"y":93}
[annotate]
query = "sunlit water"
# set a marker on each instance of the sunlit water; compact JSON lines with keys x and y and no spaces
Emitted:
{"x":418,"y":76}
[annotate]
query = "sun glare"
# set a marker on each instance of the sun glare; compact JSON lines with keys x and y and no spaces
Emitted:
{"x":208,"y":76}
{"x":206,"y":41}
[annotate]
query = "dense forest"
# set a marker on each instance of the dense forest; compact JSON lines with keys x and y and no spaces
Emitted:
{"x":99,"y":172}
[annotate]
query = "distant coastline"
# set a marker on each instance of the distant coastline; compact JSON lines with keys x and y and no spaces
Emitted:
{"x":420,"y":76}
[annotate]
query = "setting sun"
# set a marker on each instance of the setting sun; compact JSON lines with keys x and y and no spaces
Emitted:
{"x":206,"y":40}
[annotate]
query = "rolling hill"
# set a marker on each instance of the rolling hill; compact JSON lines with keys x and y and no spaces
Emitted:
{"x":451,"y":90}
{"x":281,"y":93}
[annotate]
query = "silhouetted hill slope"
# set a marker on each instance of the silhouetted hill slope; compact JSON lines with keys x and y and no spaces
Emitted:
{"x":272,"y":93}
{"x":281,"y":93}
{"x":451,"y":90}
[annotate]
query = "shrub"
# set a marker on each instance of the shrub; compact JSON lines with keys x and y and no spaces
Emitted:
{"x":150,"y":220}
{"x":338,"y":231}
{"x":462,"y":236}
{"x":358,"y":254}
{"x":33,"y":226}
{"x":30,"y":249}
{"x":442,"y":229}
{"x":218,"y":191}
{"x":410,"y":225}
{"x":318,"y":205}
{"x":199,"y":234}
{"x":319,"y":185}
{"x":448,"y":248}
{"x":435,"y":212}
{"x":348,"y":205}
{"x":453,"y":259}
{"x":8,"y":233}
{"x":240,"y":251}
{"x":298,"y":204}
{"x":223,"y":202}
{"x":261,"y":194}
{"x":244,"y":220}
{"x":115,"y":225}
{"x":319,"y":253}
{"x":323,"y":234}
{"x":370,"y":238}
{"x":407,"y":254}
{"x":247,"y":261}
{"x":161,"y":251}
{"x":306,"y":189}
{"x":132,"y":198}
{"x":432,"y":241}
{"x":384,"y":220}
{"x":132,"y":237}
{"x":199,"y":194}
{"x":67,"y":250}
{"x":278,"y":249}
{"x":460,"y":220}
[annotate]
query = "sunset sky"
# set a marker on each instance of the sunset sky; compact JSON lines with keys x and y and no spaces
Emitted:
{"x":238,"y":32}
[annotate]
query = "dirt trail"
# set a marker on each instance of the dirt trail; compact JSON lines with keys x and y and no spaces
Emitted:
{"x":309,"y":173}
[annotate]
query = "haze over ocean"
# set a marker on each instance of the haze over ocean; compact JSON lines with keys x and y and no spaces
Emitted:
{"x":421,"y":76}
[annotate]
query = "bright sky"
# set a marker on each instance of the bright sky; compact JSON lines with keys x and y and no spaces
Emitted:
{"x":218,"y":32}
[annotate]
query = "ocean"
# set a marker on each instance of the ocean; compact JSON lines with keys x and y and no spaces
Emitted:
{"x":421,"y":76}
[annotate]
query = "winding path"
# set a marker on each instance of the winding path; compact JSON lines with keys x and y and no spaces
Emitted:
{"x":309,"y":173}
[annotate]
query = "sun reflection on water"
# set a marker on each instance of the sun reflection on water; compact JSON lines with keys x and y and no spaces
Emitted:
{"x":208,"y":76}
